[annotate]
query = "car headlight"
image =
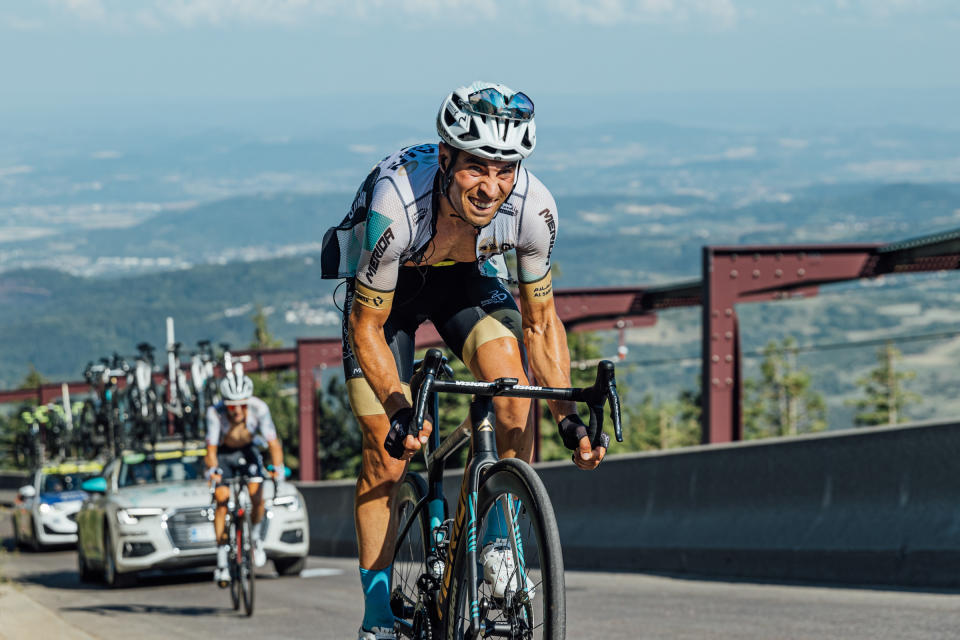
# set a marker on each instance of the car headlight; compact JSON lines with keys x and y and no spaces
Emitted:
{"x":132,"y":516}
{"x":44,"y":508}
{"x":290,"y":502}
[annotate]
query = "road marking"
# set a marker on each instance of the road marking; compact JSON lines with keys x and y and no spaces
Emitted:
{"x":320,"y":573}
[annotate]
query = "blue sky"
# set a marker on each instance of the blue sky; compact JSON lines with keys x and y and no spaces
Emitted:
{"x":381,"y":59}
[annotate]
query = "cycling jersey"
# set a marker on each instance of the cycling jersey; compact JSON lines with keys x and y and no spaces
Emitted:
{"x":393,"y":219}
{"x":258,"y":421}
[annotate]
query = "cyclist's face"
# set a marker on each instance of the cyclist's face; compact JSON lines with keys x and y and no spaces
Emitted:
{"x":237,"y":413}
{"x":480,"y":186}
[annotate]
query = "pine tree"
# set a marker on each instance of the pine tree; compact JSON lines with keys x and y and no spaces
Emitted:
{"x":782,"y":403}
{"x":885,"y":397}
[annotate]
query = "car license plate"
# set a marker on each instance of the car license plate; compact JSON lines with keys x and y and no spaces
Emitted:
{"x":202,"y":533}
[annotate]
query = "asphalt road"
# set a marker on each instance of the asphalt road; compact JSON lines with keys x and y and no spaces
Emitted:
{"x":324,"y":603}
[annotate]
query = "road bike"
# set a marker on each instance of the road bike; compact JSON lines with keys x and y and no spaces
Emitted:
{"x":439,"y":589}
{"x":239,"y":526}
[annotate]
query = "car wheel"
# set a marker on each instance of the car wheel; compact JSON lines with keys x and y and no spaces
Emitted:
{"x":83,"y":569}
{"x":35,"y":544}
{"x":111,"y":576}
{"x":289,"y":566}
{"x":17,"y":542}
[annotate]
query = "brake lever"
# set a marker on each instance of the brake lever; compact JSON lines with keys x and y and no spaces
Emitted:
{"x":614,"y":400}
{"x":433,"y":361}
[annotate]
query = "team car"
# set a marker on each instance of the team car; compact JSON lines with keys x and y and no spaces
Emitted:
{"x":45,"y":512}
{"x":154,"y":510}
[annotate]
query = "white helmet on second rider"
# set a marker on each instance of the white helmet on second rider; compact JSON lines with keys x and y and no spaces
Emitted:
{"x":488,"y":120}
{"x":236,"y":389}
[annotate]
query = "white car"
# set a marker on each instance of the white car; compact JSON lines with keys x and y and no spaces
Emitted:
{"x":45,"y":512}
{"x":154,"y":511}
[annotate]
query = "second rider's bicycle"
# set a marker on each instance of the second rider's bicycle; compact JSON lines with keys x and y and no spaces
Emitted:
{"x":442,"y":587}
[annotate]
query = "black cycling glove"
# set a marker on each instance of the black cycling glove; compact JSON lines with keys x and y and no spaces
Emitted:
{"x":572,"y":430}
{"x":399,"y":424}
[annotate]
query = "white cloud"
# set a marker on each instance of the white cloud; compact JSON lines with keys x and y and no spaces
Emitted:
{"x":740,"y":153}
{"x":92,"y":10}
{"x":14,"y":171}
{"x":718,"y":13}
{"x":362,"y":148}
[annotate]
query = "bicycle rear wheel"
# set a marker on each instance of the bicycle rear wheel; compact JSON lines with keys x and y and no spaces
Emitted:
{"x":534,"y":602}
{"x":245,"y":563}
{"x":412,"y":614}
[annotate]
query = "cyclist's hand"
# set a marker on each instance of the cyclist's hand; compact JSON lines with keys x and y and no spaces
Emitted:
{"x":588,"y":448}
{"x":278,"y":475}
{"x":214,"y":476}
{"x":399,"y":443}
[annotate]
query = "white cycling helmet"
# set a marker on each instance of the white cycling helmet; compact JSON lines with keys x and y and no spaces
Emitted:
{"x":236,"y":390}
{"x":488,"y":120}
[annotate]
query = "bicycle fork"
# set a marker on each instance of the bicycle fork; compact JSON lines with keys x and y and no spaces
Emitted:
{"x":483,"y":421}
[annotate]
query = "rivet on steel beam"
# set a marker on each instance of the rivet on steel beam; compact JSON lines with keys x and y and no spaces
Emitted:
{"x":715,"y":336}
{"x":728,"y":335}
{"x":801,"y":272}
{"x":716,"y":382}
{"x":715,"y":358}
{"x":733,"y":273}
{"x":729,"y":381}
{"x":728,"y":312}
{"x":756,"y":273}
{"x":778,"y":273}
{"x":714,"y":313}
{"x":729,"y":358}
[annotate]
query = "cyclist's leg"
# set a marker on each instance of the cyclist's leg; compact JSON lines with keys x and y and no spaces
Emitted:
{"x":379,"y":474}
{"x":226,"y":460}
{"x":482,"y":325}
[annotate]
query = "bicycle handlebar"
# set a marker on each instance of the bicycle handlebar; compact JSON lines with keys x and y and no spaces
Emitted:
{"x":604,"y":390}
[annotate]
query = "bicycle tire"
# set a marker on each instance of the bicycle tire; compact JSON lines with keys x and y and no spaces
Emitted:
{"x":544,"y":615}
{"x":234,"y":566}
{"x":246,"y":565}
{"x":410,"y":559}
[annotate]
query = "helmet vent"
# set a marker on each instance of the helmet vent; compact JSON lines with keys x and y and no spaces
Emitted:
{"x":473,"y":134}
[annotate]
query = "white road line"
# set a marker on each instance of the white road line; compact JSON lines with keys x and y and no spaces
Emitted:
{"x":320,"y":572}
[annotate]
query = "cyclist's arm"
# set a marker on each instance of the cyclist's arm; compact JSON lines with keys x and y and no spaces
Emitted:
{"x":212,"y":437}
{"x":210,"y":460}
{"x":543,"y":333}
{"x":269,"y":432}
{"x":546,"y":341}
{"x":372,"y":353}
{"x":387,"y":233}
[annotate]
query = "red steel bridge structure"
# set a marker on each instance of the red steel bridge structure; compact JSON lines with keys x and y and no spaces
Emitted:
{"x":732,"y":275}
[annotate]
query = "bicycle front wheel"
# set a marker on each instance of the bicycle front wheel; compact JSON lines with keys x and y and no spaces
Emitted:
{"x":521,"y":591}
{"x":245,"y":563}
{"x":412,"y":613}
{"x":234,"y":566}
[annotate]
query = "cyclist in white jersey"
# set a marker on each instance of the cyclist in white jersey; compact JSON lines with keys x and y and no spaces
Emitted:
{"x":232,"y":426}
{"x":424,"y":241}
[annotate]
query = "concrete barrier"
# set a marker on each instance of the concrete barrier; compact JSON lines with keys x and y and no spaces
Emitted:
{"x":879,"y":506}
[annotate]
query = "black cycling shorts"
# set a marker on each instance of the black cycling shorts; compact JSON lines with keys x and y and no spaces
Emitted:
{"x":228,"y":459}
{"x":466,"y":307}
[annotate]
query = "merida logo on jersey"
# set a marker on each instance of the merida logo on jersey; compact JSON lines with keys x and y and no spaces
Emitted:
{"x":377,"y":254}
{"x":552,"y":226}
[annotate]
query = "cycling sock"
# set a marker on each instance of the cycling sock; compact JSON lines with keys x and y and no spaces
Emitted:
{"x":496,"y":526}
{"x":222,"y":551}
{"x":256,"y":530}
{"x":376,"y":597}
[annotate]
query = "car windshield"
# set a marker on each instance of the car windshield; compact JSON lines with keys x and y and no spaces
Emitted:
{"x":142,"y":471}
{"x":57,"y":482}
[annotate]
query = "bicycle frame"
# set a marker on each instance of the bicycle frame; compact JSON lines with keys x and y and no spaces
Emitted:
{"x":481,"y":433}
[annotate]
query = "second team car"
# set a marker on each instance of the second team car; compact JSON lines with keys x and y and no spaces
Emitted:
{"x":153,"y":510}
{"x":45,"y":513}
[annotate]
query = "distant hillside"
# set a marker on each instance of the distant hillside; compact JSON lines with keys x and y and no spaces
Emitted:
{"x":59,"y":322}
